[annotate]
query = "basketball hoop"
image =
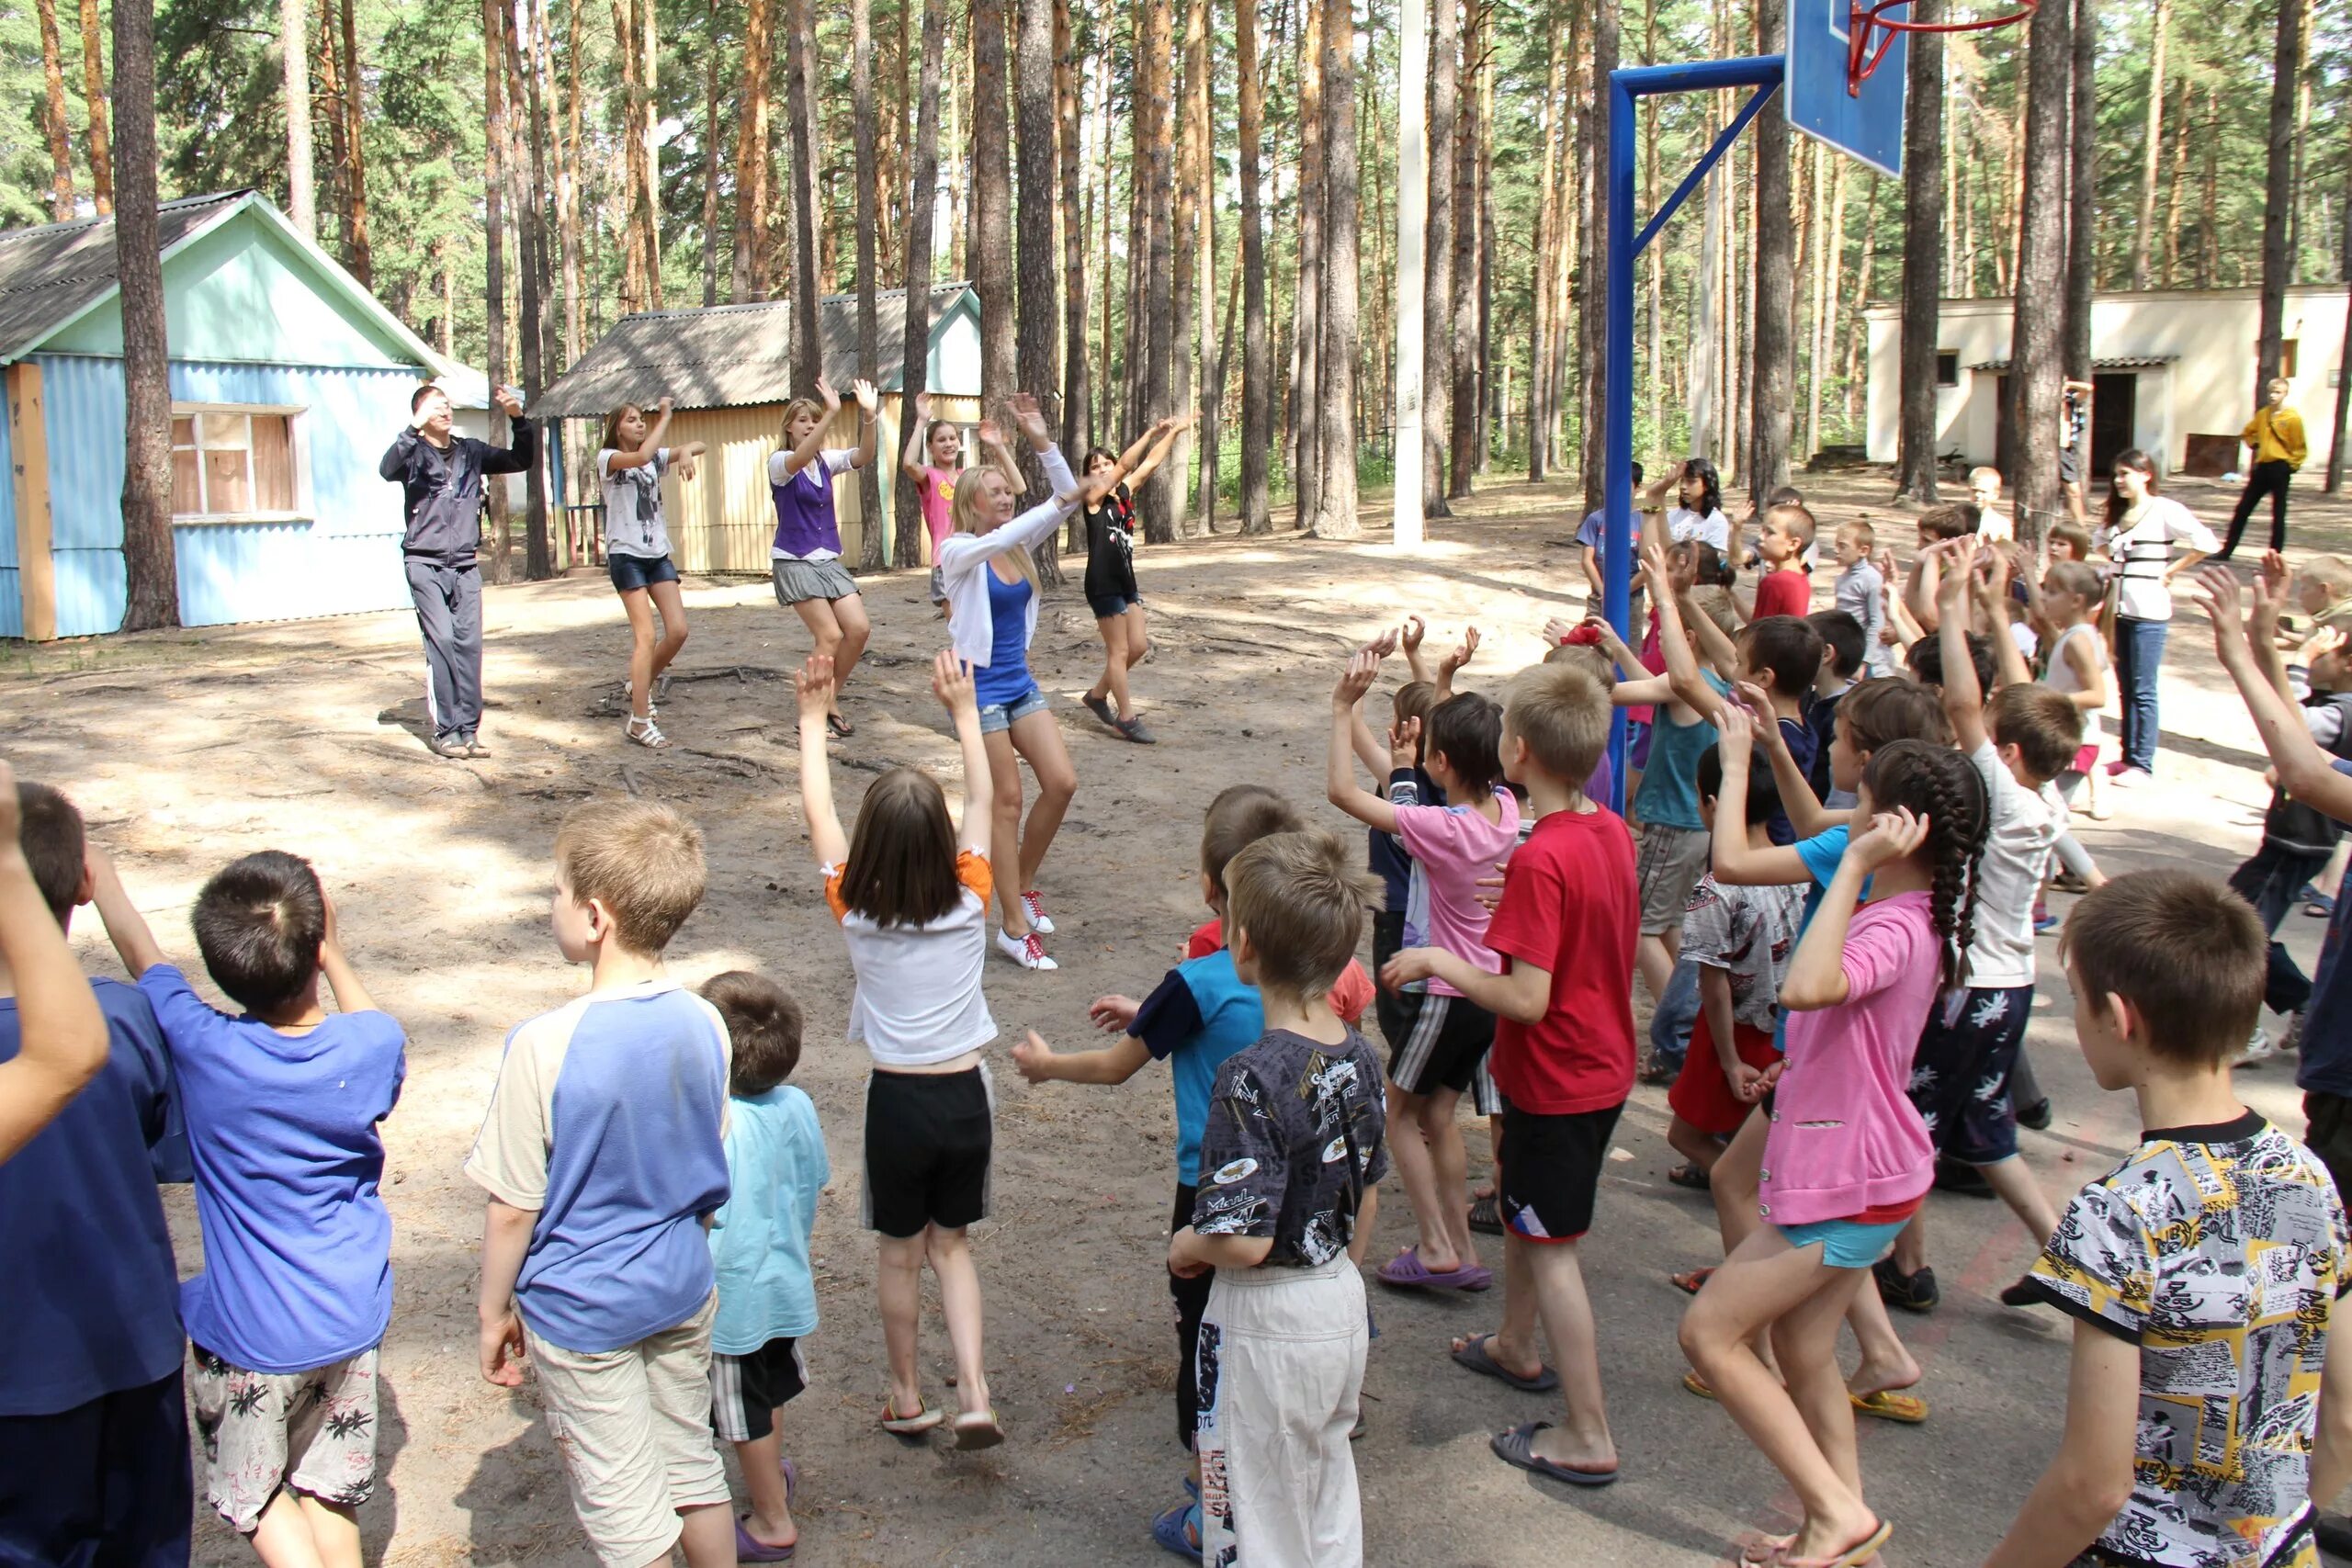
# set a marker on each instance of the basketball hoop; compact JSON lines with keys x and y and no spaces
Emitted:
{"x":1861,"y":59}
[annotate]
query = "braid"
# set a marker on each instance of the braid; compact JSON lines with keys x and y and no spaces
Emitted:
{"x":1957,"y":809}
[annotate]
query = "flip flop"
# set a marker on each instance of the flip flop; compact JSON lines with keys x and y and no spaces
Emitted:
{"x":914,"y":1425}
{"x":1168,"y":1531}
{"x":750,"y":1549}
{"x":1406,"y":1271}
{"x":1692,"y":1281}
{"x":1481,"y":1360}
{"x":1891,"y":1405}
{"x":1696,"y":1385}
{"x":1691,"y":1176}
{"x":978,"y":1430}
{"x":1854,"y":1556}
{"x":1516,"y":1446}
{"x":1486,"y":1214}
{"x":791,"y":1480}
{"x":840,"y":726}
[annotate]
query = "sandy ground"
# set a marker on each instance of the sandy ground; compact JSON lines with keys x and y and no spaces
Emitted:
{"x":187,"y":750}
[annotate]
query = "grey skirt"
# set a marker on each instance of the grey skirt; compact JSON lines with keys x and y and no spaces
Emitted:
{"x":801,"y":580}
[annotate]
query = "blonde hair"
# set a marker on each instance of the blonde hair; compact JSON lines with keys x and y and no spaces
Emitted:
{"x":1587,"y":657}
{"x":1859,"y":534}
{"x":2331,"y":572}
{"x":797,"y":407}
{"x":1304,"y":907}
{"x":1561,"y":711}
{"x":643,"y":861}
{"x":972,"y":497}
{"x":1714,"y":602}
{"x":1981,"y":472}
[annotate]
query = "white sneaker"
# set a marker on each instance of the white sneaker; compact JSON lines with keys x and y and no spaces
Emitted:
{"x":1033,"y":903}
{"x":2133,"y":778}
{"x":2259,"y":1049}
{"x":1029,"y":951}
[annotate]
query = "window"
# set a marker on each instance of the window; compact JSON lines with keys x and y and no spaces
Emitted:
{"x":234,"y":463}
{"x":1947,"y":368}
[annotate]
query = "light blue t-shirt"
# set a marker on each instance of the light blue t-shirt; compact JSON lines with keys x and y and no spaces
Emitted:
{"x":298,"y":1246}
{"x":1821,"y":854}
{"x":759,"y":1238}
{"x":608,"y":1122}
{"x":1200,"y":1014}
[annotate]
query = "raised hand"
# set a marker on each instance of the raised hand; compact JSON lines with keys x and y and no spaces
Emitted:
{"x":2217,"y":594}
{"x":2274,"y":572}
{"x":662,"y":408}
{"x":1735,"y":736}
{"x":1384,"y":644}
{"x":1409,"y":635}
{"x":832,"y":400}
{"x":1462,"y":654}
{"x":988,"y":433}
{"x":814,"y":683}
{"x":951,"y":681}
{"x":867,"y":398}
{"x":1025,"y":412}
{"x":1891,"y":836}
{"x":1355,"y":680}
{"x":510,"y":402}
{"x":1404,"y":743}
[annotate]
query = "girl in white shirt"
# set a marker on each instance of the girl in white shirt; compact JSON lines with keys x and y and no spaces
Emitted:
{"x":2141,"y":529}
{"x":1699,"y":490}
{"x":912,"y":892}
{"x":630,"y":461}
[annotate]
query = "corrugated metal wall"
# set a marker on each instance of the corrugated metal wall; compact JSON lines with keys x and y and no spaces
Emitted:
{"x":12,"y":600}
{"x":346,"y":559}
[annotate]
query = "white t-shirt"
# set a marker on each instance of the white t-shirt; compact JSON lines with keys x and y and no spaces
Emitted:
{"x":919,"y":998}
{"x":1991,"y":525}
{"x":2142,"y":551}
{"x":633,"y":522}
{"x":2062,"y":677}
{"x":2025,"y":824}
{"x":819,"y":473}
{"x":1714,"y":528}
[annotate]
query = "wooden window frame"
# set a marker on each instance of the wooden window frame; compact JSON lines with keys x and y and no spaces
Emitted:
{"x":297,"y":419}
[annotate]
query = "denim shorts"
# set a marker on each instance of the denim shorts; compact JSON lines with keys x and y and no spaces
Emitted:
{"x":1845,"y":1244}
{"x":1005,"y":716}
{"x":1110,"y":606}
{"x":633,"y":573}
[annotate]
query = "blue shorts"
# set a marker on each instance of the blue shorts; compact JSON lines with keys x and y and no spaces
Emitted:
{"x":633,"y":573}
{"x":1005,"y":716}
{"x":1845,"y":1244}
{"x":1110,"y":606}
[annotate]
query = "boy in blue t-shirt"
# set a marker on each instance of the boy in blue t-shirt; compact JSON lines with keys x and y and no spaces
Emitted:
{"x":93,"y":1454}
{"x":759,"y":1249}
{"x":282,"y":1102}
{"x":601,"y":1153}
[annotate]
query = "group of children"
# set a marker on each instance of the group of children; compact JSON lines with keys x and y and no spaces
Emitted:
{"x":1845,"y":868}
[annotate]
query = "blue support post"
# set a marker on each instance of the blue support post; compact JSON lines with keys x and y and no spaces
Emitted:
{"x":1626,"y":244}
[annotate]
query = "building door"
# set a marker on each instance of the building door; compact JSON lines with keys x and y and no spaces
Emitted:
{"x":2114,"y":414}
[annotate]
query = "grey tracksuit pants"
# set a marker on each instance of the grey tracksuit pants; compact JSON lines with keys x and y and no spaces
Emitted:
{"x":448,"y":611}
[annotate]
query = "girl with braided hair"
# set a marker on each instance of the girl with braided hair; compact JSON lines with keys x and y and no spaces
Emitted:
{"x":1846,"y":1159}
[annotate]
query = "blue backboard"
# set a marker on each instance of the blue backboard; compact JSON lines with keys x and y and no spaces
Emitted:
{"x":1866,"y":125}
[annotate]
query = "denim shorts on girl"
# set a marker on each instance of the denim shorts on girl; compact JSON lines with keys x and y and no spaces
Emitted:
{"x":1847,"y":1243}
{"x":1005,"y":716}
{"x":633,"y":573}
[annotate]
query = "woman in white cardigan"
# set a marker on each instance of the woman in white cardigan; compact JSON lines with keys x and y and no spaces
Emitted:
{"x":992,"y":588}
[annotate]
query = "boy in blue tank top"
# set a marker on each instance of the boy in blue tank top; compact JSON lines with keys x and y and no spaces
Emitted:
{"x":601,"y":1153}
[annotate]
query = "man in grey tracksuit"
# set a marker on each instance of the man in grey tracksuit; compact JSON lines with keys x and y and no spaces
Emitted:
{"x":441,"y":475}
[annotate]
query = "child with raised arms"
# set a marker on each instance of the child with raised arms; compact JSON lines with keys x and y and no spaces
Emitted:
{"x":910,"y":892}
{"x":933,"y":455}
{"x":1111,"y":590}
{"x":630,"y":461}
{"x":806,"y":558}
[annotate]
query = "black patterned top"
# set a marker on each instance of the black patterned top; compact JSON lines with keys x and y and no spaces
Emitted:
{"x":1296,"y":1131}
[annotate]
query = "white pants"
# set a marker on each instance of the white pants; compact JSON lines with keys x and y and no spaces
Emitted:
{"x":1281,"y":1365}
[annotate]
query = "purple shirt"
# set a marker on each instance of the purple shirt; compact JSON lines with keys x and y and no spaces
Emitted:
{"x":805,"y":525}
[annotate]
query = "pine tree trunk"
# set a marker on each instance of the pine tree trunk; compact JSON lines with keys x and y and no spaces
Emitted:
{"x":800,"y":116}
{"x":494,"y":260}
{"x":709,"y":139}
{"x":61,"y":151}
{"x":361,"y":254}
{"x":1306,"y":305}
{"x":869,"y":329}
{"x":2082,"y":222}
{"x":1257,"y":349}
{"x":2278,"y":195}
{"x":1159,"y":345}
{"x":567,"y":185}
{"x":1546,"y":307}
{"x":2180,"y":180}
{"x":523,"y":92}
{"x":1039,"y":310}
{"x":1201,"y":137}
{"x":2152,"y":142}
{"x":751,"y":111}
{"x":1437,"y":292}
{"x":1923,"y":241}
{"x":991,"y":211}
{"x":2038,"y":342}
{"x":1183,"y":278}
{"x":152,"y":588}
{"x":330,"y":66}
{"x":647,"y":17}
{"x":1490,"y":410}
{"x":1775,"y":367}
{"x":1858,"y":330}
{"x":1335,"y":509}
{"x":2209,"y":220}
{"x":1076,"y":393}
{"x":922,"y":217}
{"x":294,"y":76}
{"x":1462,"y":400}
{"x":1593,"y":156}
{"x":94,"y":98}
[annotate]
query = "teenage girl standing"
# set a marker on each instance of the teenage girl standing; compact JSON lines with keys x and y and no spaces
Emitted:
{"x":1698,"y":512}
{"x":934,"y":451}
{"x":630,"y":464}
{"x":806,"y":557}
{"x":1111,"y":590}
{"x":912,"y":895}
{"x":2142,"y":529}
{"x":992,"y":609}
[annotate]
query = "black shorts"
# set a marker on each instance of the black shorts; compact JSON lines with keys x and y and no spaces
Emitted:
{"x":1549,"y":1171}
{"x":927,"y":1141}
{"x":1394,"y":1010}
{"x":1446,"y":1048}
{"x":633,"y":573}
{"x":106,"y":1480}
{"x":1111,"y":607}
{"x":2327,"y":1133}
{"x":1959,"y":1076}
{"x":747,"y":1391}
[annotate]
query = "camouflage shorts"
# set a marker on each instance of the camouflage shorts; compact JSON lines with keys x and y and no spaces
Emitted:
{"x":310,"y":1432}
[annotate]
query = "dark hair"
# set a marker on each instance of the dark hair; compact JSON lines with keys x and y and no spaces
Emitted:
{"x":1083,"y":463}
{"x":763,"y":1027}
{"x":2040,"y":721}
{"x":1953,"y":520}
{"x":1468,"y":730}
{"x":1786,"y":495}
{"x":1763,"y":790}
{"x":936,"y":426}
{"x":1786,"y":648}
{"x":1303,"y":905}
{"x":1843,"y":637}
{"x":1894,"y":707}
{"x":1703,"y":471}
{"x":48,"y":830}
{"x":259,"y":923}
{"x":1926,"y":659}
{"x":1240,"y":815}
{"x":2131,"y":457}
{"x":1709,"y":567}
{"x":1939,"y":784}
{"x":1637,"y":473}
{"x":2188,"y":953}
{"x":2074,"y":535}
{"x":901,"y":864}
{"x":416,"y":399}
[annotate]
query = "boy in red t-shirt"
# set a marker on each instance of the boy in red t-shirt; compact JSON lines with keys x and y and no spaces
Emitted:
{"x":1784,"y":589}
{"x":1563,"y":1058}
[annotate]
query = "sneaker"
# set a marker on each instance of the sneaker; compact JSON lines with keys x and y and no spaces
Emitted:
{"x":1029,"y":951}
{"x":1134,"y":730}
{"x":1911,"y":1292}
{"x":1033,"y":903}
{"x":2133,"y":778}
{"x":2068,"y":882}
{"x":1100,"y":708}
{"x":2259,"y":1049}
{"x":2021,"y":1294}
{"x":2293,"y":1045}
{"x":2036,"y":1116}
{"x":474,"y":747}
{"x":447,"y":746}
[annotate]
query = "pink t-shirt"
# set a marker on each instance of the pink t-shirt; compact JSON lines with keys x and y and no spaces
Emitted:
{"x":1845,"y":1136}
{"x":938,"y":491}
{"x":1455,"y":847}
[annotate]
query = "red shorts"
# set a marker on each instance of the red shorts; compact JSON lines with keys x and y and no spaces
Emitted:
{"x":1701,"y":1095}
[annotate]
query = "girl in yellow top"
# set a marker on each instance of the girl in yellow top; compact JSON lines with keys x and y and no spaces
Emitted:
{"x":2276,"y":434}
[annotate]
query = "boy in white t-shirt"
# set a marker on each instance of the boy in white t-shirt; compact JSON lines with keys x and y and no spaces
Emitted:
{"x":1454,"y":846}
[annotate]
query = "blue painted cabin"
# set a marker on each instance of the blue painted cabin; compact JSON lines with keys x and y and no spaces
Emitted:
{"x":289,"y":380}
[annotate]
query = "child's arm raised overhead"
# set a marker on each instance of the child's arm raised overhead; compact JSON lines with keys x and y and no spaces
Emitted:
{"x":1637,"y":686}
{"x":1990,"y":585}
{"x":350,"y":996}
{"x":125,"y":927}
{"x":2306,"y":771}
{"x":1374,"y":756}
{"x":964,"y":552}
{"x":867,"y":401}
{"x":1816,"y":977}
{"x":1339,"y":785}
{"x":1798,"y":803}
{"x":1451,"y":665}
{"x":62,"y":1036}
{"x":951,"y":682}
{"x":800,"y":457}
{"x":2090,"y":1479}
{"x":814,"y":683}
{"x":911,"y":457}
{"x":1000,"y":456}
{"x":1408,"y":637}
{"x":1161,"y":438}
{"x":1690,"y":688}
{"x":1963,"y":698}
{"x":1734,"y":862}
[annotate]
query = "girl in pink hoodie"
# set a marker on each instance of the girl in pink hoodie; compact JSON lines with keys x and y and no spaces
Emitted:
{"x":1846,"y":1159}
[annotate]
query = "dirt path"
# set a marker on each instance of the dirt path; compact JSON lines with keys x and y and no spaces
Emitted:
{"x":187,"y":750}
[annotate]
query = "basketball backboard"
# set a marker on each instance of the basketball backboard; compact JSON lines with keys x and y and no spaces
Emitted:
{"x":1864,"y":123}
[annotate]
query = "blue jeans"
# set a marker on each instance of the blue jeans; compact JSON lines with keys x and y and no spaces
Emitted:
{"x":2139,"y":657}
{"x":1677,"y":1012}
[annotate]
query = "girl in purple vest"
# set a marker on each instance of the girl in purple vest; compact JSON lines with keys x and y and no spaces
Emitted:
{"x":806,"y":558}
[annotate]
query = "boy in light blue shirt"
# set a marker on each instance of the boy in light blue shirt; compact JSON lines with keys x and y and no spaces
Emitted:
{"x":601,"y":1154}
{"x":759,"y":1247}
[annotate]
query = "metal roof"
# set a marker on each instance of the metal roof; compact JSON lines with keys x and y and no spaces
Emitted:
{"x":53,"y":274}
{"x":731,"y":356}
{"x":2128,"y":362}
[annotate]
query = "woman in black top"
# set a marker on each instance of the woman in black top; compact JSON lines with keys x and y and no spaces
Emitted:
{"x":1111,"y":574}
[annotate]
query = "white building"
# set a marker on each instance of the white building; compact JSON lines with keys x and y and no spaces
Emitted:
{"x":2173,"y":373}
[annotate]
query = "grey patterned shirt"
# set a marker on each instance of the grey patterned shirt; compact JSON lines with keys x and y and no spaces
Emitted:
{"x":1286,"y":1115}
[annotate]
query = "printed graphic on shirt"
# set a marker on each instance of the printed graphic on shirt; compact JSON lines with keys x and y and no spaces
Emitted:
{"x":1278,"y":1109}
{"x":639,"y":521}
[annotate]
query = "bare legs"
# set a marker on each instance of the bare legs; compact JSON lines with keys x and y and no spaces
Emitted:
{"x":1425,"y":1141}
{"x":1543,"y":1280}
{"x":771,"y":1521}
{"x":839,"y":628}
{"x":1123,"y":645}
{"x":649,"y":655}
{"x":1654,"y":957}
{"x":1015,"y":853}
{"x":300,"y":1531}
{"x":900,"y":1292}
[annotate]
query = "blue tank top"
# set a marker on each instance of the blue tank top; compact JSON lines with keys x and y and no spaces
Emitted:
{"x":1006,"y":679}
{"x":1669,"y":791}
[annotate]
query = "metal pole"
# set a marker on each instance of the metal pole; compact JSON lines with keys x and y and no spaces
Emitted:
{"x":1412,"y":228}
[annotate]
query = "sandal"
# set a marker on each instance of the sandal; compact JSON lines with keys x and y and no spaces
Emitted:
{"x":1486,"y":1214}
{"x":914,"y":1425}
{"x":1693,"y":1383}
{"x":1179,"y":1531}
{"x":1691,"y":1176}
{"x":1406,"y":1271}
{"x":1477,"y":1355}
{"x":652,"y":701}
{"x":749,"y":1548}
{"x":1517,"y":1446}
{"x":1854,"y":1556}
{"x":842,"y":727}
{"x":1694,"y":1281}
{"x":647,"y":733}
{"x":1891,"y":1405}
{"x":978,"y":1430}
